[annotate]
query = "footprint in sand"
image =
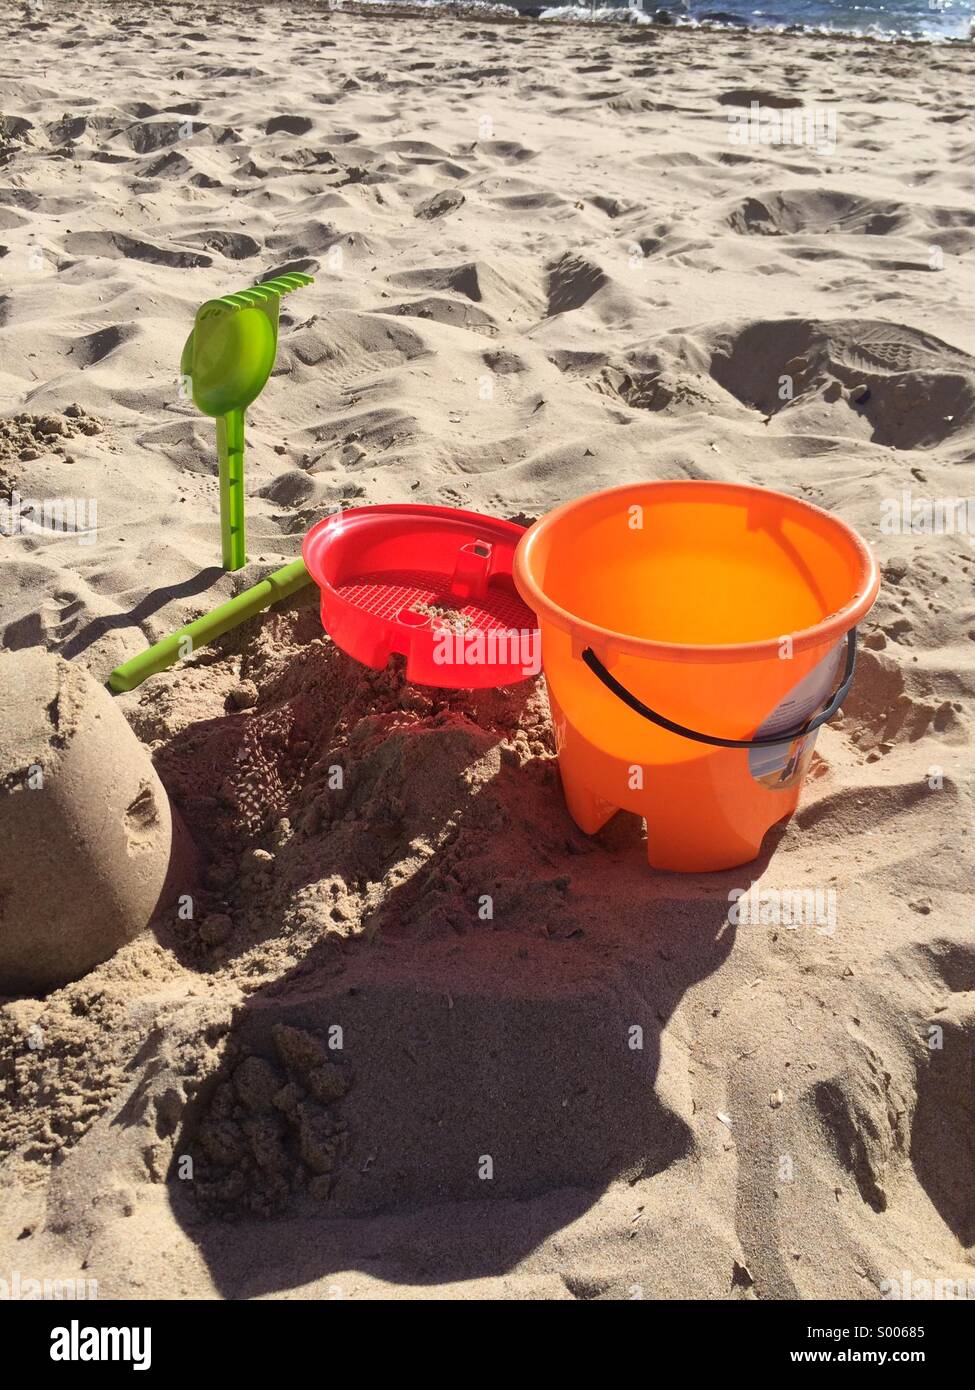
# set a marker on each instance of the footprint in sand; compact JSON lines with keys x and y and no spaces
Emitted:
{"x":879,"y":371}
{"x":235,"y":246}
{"x":819,"y":210}
{"x":828,"y":211}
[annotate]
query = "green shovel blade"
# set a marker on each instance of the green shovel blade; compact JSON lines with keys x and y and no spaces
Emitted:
{"x":228,"y":358}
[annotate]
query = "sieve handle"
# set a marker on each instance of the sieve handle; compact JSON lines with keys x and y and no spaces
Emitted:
{"x":786,"y":736}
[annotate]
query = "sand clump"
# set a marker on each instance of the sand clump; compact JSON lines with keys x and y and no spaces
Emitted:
{"x":272,"y":1128}
{"x":26,"y":437}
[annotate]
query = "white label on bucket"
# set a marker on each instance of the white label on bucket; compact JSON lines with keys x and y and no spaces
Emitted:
{"x":782,"y":765}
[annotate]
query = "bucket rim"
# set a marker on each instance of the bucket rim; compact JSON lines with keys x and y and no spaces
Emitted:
{"x":833,"y":626}
{"x":339,"y":525}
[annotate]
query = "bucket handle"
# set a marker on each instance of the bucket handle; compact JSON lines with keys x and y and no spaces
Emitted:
{"x":771,"y":741}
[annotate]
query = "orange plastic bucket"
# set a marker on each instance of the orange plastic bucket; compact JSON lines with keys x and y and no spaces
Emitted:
{"x":694,"y":637}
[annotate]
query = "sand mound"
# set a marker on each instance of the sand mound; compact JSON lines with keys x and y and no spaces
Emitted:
{"x":446,"y":311}
{"x":86,"y":825}
{"x":910,"y":389}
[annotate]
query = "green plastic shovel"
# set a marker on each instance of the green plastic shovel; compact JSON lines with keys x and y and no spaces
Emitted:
{"x":228,"y":358}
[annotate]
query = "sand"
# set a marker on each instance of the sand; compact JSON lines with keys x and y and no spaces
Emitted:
{"x":85,"y":823}
{"x":420,"y":1037}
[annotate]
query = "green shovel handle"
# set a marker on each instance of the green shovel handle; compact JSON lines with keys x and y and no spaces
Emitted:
{"x":230,"y":451}
{"x":203,"y":630}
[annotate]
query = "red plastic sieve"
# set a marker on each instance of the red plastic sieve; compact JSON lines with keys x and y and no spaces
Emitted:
{"x":432,"y":583}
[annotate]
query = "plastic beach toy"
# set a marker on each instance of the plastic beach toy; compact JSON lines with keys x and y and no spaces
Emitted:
{"x":431,"y":583}
{"x":695,"y":636}
{"x":281,"y":584}
{"x":228,"y":358}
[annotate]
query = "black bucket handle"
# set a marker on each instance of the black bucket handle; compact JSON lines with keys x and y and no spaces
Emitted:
{"x":786,"y":736}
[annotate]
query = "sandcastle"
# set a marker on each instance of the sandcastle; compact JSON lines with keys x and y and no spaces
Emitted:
{"x":85,"y":823}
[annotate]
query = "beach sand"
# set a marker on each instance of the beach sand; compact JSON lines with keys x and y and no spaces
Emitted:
{"x":545,"y":263}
